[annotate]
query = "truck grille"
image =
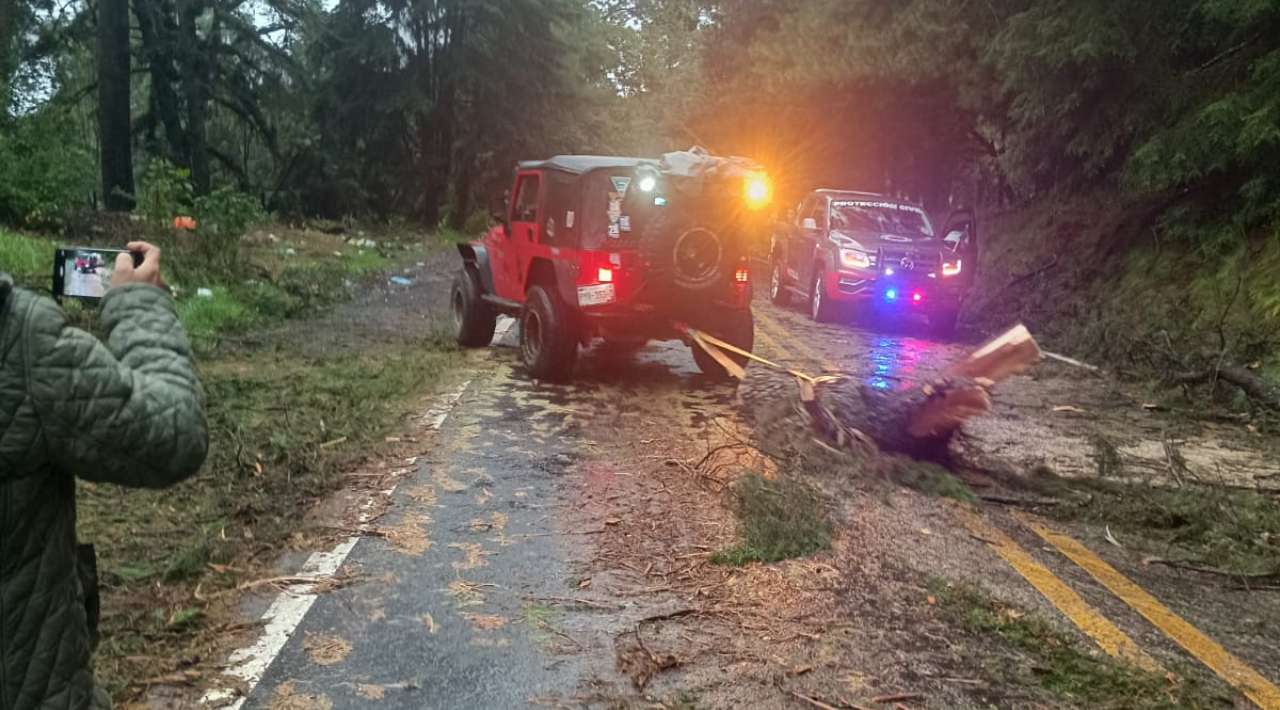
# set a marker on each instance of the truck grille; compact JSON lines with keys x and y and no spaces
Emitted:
{"x":909,"y":260}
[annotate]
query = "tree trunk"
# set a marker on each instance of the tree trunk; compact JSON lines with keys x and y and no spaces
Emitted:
{"x":113,"y":104}
{"x":157,"y":44}
{"x":195,"y":79}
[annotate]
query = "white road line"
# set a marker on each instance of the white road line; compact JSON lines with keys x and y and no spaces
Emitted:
{"x":289,"y":608}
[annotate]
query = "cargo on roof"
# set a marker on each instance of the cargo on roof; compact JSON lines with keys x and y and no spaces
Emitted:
{"x":580,"y":164}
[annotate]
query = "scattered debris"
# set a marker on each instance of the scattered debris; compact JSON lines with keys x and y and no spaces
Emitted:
{"x":286,"y":698}
{"x":326,"y":650}
{"x":410,"y":536}
{"x":640,"y":664}
{"x":1112,"y":538}
{"x":401,"y":281}
{"x":485,"y":622}
{"x":203,"y":292}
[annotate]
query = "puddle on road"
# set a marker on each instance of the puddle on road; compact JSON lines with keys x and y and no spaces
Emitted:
{"x":895,"y":362}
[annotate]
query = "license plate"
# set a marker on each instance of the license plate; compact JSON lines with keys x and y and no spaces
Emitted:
{"x":595,"y":295}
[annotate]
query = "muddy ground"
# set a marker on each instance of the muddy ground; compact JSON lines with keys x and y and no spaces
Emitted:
{"x":551,"y":545}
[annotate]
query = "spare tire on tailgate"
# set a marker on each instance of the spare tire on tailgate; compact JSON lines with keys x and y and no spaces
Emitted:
{"x":689,"y":250}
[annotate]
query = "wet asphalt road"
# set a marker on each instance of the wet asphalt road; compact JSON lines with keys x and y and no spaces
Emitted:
{"x":450,"y":610}
{"x":455,"y":605}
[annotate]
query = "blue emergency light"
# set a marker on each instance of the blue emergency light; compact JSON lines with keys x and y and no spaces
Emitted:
{"x":891,"y":294}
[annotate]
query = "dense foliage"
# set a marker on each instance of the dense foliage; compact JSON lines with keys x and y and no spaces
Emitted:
{"x":420,"y":107}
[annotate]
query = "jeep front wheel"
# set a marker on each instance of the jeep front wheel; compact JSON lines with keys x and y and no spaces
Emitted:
{"x":735,"y":327}
{"x":548,"y":345}
{"x":473,"y":319}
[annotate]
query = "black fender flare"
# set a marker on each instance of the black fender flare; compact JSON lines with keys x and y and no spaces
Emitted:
{"x":477,"y":256}
{"x":567,"y":280}
{"x":563,"y":273}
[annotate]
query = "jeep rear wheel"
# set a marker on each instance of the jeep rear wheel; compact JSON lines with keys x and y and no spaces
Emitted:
{"x":778,"y":286}
{"x":473,"y":319}
{"x":735,"y":327}
{"x":548,"y":344}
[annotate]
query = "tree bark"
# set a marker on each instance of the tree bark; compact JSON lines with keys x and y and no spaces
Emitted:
{"x":157,"y":43}
{"x":195,"y":79}
{"x":113,"y":105}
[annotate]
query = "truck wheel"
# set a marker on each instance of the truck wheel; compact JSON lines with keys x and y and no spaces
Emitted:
{"x":821,"y":309}
{"x":473,"y":319}
{"x":736,"y":328}
{"x":943,"y":323}
{"x":548,"y":344}
{"x":778,"y":285}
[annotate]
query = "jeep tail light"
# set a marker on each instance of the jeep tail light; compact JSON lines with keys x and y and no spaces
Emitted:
{"x":951,"y":268}
{"x":741,"y":275}
{"x":604,"y":275}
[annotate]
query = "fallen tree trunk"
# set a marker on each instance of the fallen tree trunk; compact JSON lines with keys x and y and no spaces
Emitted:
{"x":1258,"y":389}
{"x":917,"y":420}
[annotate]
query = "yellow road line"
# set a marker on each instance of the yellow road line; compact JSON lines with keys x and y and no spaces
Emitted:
{"x":795,"y":343}
{"x":1231,"y":669}
{"x":1107,"y":635}
{"x":776,"y":350}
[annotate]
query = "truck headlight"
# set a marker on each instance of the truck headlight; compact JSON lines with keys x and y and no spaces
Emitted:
{"x":855,"y":259}
{"x":951,"y":268}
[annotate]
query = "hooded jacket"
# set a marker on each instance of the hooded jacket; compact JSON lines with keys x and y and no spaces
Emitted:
{"x":128,"y":411}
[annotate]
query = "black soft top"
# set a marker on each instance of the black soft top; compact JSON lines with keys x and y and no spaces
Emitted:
{"x":580,"y":164}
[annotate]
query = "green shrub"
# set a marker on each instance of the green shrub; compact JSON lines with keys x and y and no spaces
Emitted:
{"x":227,"y":211}
{"x":164,"y":191}
{"x":46,"y":171}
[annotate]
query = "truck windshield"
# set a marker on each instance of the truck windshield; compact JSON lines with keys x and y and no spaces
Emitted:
{"x":880,"y":217}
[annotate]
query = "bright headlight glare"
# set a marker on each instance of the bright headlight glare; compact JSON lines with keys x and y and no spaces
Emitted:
{"x":855,"y":259}
{"x":951,"y":268}
{"x":647,"y":183}
{"x":757,"y":190}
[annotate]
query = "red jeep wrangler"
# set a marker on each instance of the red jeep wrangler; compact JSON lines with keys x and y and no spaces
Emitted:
{"x":628,"y":249}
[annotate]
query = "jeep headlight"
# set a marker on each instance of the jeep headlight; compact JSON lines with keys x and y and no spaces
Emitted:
{"x":952,"y":268}
{"x":855,"y":259}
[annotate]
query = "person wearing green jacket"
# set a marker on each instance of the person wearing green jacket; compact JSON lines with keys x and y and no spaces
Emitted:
{"x":128,"y":410}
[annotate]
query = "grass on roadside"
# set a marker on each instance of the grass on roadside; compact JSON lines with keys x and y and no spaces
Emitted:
{"x":1229,"y":529}
{"x":1058,"y":663}
{"x":28,"y":259}
{"x":777,"y":520}
{"x":167,"y":556}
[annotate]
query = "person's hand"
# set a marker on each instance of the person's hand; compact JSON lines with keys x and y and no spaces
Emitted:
{"x":148,"y":272}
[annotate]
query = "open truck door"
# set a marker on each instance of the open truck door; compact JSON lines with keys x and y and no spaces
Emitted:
{"x":961,"y":239}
